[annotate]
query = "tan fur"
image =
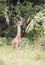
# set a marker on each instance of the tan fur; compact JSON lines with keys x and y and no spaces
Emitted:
{"x":17,"y":40}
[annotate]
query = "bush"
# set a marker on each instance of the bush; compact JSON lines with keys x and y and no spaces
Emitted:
{"x":37,"y":25}
{"x":5,"y":41}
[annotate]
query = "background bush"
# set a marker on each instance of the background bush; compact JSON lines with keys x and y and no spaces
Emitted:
{"x":32,"y":29}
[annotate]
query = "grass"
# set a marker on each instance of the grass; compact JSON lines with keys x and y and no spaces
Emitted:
{"x":31,"y":55}
{"x":24,"y":56}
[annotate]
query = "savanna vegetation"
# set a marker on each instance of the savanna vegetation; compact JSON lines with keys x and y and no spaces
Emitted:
{"x":32,"y":51}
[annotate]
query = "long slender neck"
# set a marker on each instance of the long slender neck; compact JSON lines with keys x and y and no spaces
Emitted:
{"x":19,"y":30}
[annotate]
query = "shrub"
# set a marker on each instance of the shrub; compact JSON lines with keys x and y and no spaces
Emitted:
{"x":37,"y":25}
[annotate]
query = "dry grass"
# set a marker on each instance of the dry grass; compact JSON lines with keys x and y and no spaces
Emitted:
{"x":28,"y":56}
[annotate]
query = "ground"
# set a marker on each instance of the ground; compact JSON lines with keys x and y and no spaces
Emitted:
{"x":24,"y":56}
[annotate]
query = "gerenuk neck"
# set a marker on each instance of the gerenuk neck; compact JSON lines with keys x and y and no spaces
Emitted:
{"x":19,"y":30}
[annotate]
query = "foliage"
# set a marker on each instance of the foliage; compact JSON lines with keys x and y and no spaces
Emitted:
{"x":5,"y":41}
{"x":26,"y":9}
{"x":37,"y":25}
{"x":10,"y":32}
